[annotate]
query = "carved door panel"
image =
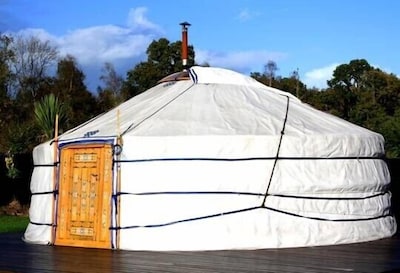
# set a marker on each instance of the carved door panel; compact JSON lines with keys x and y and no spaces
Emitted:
{"x":84,"y":204}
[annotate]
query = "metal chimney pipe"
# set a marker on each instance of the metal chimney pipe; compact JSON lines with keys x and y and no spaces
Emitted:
{"x":184,"y":52}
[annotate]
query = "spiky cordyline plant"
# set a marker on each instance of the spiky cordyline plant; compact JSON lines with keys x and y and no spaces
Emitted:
{"x":45,"y":114}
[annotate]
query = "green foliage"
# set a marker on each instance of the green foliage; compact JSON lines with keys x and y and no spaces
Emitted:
{"x":12,"y":171}
{"x":46,"y":111}
{"x":106,"y":100}
{"x":346,"y":83}
{"x":144,"y":76}
{"x":163,"y":59}
{"x":259,"y":77}
{"x":390,"y":129}
{"x":22,"y":137}
{"x":350,"y":76}
{"x":80,"y":104}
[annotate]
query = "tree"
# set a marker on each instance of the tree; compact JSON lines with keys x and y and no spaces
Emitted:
{"x":167,"y":56}
{"x":6,"y":58}
{"x":6,"y":105}
{"x":70,"y":89}
{"x":142,"y":77}
{"x":295,"y":76}
{"x":269,"y":71}
{"x":111,"y":79}
{"x":350,"y":76}
{"x":390,"y":129}
{"x":291,"y":84}
{"x":370,"y":98}
{"x":384,"y":89}
{"x":348,"y":80}
{"x":111,"y":94}
{"x":32,"y":59}
{"x":163,"y":59}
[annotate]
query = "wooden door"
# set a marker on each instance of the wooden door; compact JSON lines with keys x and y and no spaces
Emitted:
{"x":84,"y":203}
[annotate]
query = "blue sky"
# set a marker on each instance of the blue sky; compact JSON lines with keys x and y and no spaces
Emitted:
{"x":243,"y":35}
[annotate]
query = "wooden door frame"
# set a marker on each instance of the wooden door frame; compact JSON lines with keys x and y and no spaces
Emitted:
{"x":105,"y":165}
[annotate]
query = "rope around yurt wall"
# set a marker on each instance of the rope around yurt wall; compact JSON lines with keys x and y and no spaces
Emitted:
{"x":253,"y":194}
{"x":246,"y":158}
{"x":134,"y":126}
{"x":225,"y":213}
{"x":277,"y":151}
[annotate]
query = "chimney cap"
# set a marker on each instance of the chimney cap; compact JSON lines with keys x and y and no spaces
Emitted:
{"x":185,"y":24}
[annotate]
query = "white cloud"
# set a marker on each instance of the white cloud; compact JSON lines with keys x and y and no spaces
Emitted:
{"x":319,"y":76}
{"x":104,"y":43}
{"x":110,"y":43}
{"x":93,"y":46}
{"x":246,"y":15}
{"x":41,"y":34}
{"x":137,"y":20}
{"x":241,"y":61}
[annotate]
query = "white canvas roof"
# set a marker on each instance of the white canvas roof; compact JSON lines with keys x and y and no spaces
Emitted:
{"x":214,"y":145}
{"x":220,"y":102}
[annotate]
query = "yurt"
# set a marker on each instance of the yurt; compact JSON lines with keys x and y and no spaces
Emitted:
{"x":210,"y":159}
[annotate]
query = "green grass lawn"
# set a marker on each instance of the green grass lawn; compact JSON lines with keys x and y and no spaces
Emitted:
{"x":13,"y":223}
